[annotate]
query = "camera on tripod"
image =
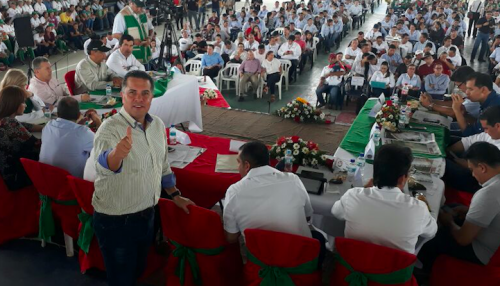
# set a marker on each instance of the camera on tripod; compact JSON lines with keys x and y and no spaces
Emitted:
{"x":162,"y":10}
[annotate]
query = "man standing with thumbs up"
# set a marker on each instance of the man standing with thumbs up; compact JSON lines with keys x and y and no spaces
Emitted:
{"x":132,"y":168}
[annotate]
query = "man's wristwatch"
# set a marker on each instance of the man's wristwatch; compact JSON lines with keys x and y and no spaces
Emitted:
{"x":175,"y":194}
{"x":431,"y":106}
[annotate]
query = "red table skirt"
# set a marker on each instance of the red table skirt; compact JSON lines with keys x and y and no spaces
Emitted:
{"x":198,"y":181}
{"x":220,"y":101}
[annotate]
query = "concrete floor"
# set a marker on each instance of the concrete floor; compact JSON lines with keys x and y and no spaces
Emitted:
{"x":24,"y":262}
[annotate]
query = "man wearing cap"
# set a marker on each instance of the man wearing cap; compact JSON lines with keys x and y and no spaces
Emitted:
{"x":92,"y":73}
{"x":122,"y":60}
{"x":132,"y":21}
{"x":330,"y":80}
{"x":291,"y":51}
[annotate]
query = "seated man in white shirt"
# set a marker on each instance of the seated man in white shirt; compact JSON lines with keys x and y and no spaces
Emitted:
{"x":383,"y":214}
{"x":457,"y":174}
{"x":257,"y":200}
{"x":111,"y":42}
{"x":122,"y":60}
{"x":476,"y":239}
{"x":291,"y":51}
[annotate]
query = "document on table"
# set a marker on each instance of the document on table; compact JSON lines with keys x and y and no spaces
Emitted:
{"x":431,"y":118}
{"x":183,"y":155}
{"x":418,"y":142}
{"x":226,"y":164}
{"x":234,"y":145}
{"x":376,"y":108}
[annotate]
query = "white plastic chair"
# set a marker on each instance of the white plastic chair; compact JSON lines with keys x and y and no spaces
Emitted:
{"x":229,"y":74}
{"x":263,"y":82}
{"x":194,"y":67}
{"x":285,"y":67}
{"x":280,"y":31}
{"x":315,"y":51}
{"x":198,"y":57}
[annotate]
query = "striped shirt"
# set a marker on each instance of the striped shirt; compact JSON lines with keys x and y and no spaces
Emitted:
{"x":137,"y":185}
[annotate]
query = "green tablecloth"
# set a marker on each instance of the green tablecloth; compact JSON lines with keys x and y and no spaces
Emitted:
{"x":358,"y":135}
{"x":160,"y":88}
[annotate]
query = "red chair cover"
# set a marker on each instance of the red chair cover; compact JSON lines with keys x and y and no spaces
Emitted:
{"x":18,"y":212}
{"x":370,"y":258}
{"x":452,"y":271}
{"x":51,"y":181}
{"x":281,"y":250}
{"x":203,"y":229}
{"x":83,"y":191}
{"x":458,"y":197}
{"x":69,"y":77}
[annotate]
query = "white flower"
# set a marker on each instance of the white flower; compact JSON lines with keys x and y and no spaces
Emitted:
{"x":296,"y":146}
{"x":286,"y":116}
{"x":305,"y":162}
{"x":278,"y":158}
{"x":305,"y":150}
{"x":295,"y":109}
{"x":296,"y":152}
{"x":306,"y":112}
{"x":391,"y":117}
{"x":278,"y":149}
{"x":314,"y":152}
{"x":315,"y":117}
{"x":324,"y":157}
{"x":322,"y":116}
{"x":314,"y":162}
{"x":393,"y":124}
{"x":283,"y":145}
{"x":301,"y":118}
{"x":289,"y":141}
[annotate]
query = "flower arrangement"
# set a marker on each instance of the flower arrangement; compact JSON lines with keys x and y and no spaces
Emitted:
{"x":301,"y":110}
{"x":109,"y":114}
{"x":305,"y":153}
{"x":208,"y":94}
{"x":388,"y":116}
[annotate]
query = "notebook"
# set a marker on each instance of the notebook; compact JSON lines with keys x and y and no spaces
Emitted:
{"x":378,"y":84}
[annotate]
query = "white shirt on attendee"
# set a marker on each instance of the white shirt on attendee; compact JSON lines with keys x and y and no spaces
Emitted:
{"x":294,"y":48}
{"x":111,"y":43}
{"x":386,"y":217}
{"x":121,"y":65}
{"x":40,"y":8}
{"x":271,"y":66}
{"x":268,"y":199}
{"x":481,"y":137}
{"x":381,"y":46}
{"x":184,"y":43}
{"x":251,"y":46}
{"x":273,"y":48}
{"x":378,"y":76}
{"x":352,"y":53}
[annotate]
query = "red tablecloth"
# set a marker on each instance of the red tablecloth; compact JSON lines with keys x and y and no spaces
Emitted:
{"x":218,"y":102}
{"x":198,"y":181}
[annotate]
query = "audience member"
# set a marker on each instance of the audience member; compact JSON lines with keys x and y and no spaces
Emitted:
{"x":249,"y":71}
{"x":211,"y":63}
{"x":122,"y":60}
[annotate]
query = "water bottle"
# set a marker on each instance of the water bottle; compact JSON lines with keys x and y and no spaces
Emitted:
{"x":402,"y":120}
{"x":376,"y":136}
{"x":109,"y":92}
{"x":351,"y":172}
{"x":360,"y":161}
{"x":409,"y":113}
{"x":173,"y":135}
{"x":168,"y":67}
{"x":288,"y":161}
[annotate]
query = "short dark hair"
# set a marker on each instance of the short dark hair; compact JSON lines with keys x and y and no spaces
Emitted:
{"x":391,"y":162}
{"x":491,"y":115}
{"x":483,"y":152}
{"x":125,"y":38}
{"x":11,"y":97}
{"x":481,"y":80}
{"x":461,"y":74}
{"x":138,"y":74}
{"x":68,"y":108}
{"x":391,"y":46}
{"x":255,"y":153}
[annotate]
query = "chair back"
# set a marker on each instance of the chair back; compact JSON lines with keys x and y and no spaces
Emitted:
{"x":198,"y":57}
{"x":279,"y":31}
{"x":276,"y":249}
{"x":368,"y":258}
{"x":69,"y":78}
{"x":230,"y":71}
{"x":194,"y":67}
{"x":83,"y":191}
{"x":315,"y":41}
{"x":201,"y":231}
{"x":285,"y":65}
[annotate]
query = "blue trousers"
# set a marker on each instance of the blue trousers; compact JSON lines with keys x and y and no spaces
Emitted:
{"x":481,"y":39}
{"x":333,"y":91}
{"x":124,"y":241}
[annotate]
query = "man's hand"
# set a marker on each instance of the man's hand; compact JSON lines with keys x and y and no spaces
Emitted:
{"x":117,"y":82}
{"x":125,"y":145}
{"x":425,"y":100}
{"x":458,"y":101}
{"x":461,"y":211}
{"x":85,"y":97}
{"x":423,"y":199}
{"x":431,"y":85}
{"x":183,"y":203}
{"x":445,"y":218}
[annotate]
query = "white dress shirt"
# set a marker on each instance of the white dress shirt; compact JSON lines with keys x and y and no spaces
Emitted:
{"x":378,"y":76}
{"x":121,"y":65}
{"x":112,"y":43}
{"x":386,"y":217}
{"x":40,"y":8}
{"x":352,"y":53}
{"x":294,"y":47}
{"x":268,"y":199}
{"x":271,"y":66}
{"x":481,"y":137}
{"x":251,"y":46}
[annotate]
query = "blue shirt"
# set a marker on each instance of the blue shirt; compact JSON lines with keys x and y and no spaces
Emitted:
{"x":440,"y":83}
{"x":476,"y":128}
{"x":210,"y":60}
{"x":66,"y":145}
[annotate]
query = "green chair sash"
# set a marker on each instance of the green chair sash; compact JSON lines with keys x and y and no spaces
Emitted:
{"x":160,"y":87}
{"x":46,"y":224}
{"x":187,"y":254}
{"x":280,"y":276}
{"x":357,"y":278}
{"x":86,"y":232}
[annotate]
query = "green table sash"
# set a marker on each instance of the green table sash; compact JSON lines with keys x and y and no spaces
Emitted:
{"x":187,"y":254}
{"x":357,"y":278}
{"x":159,"y":89}
{"x":280,"y":276}
{"x":358,"y":136}
{"x":46,"y":224}
{"x":86,"y":232}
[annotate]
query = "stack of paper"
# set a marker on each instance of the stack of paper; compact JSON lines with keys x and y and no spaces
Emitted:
{"x":183,"y":155}
{"x":418,"y":142}
{"x":226,"y":164}
{"x":431,"y":118}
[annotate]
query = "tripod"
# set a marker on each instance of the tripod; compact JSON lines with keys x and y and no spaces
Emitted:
{"x":169,"y":38}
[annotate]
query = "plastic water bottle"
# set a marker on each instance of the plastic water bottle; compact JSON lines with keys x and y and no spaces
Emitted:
{"x":109,"y":92}
{"x":173,"y":135}
{"x":408,"y":112}
{"x":360,"y":161}
{"x":376,"y":136}
{"x":288,"y":161}
{"x":351,"y":171}
{"x":402,"y":120}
